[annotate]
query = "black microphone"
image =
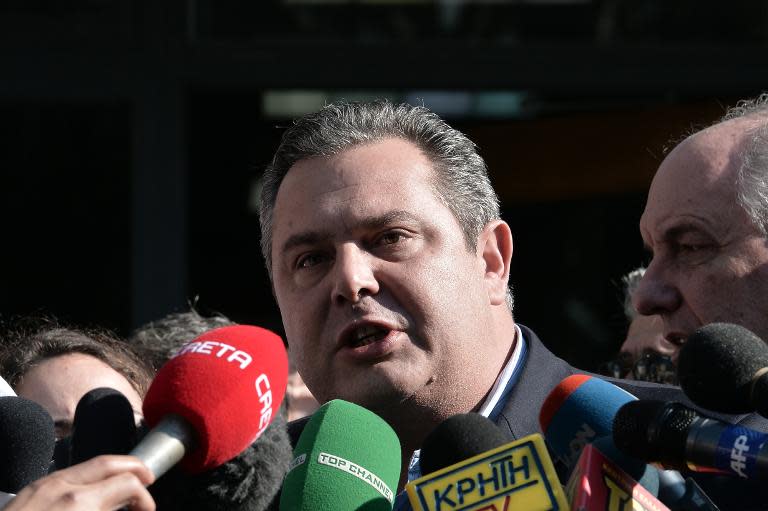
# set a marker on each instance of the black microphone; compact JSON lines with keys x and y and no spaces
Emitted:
{"x":724,"y":367}
{"x":27,"y":436}
{"x":458,"y":438}
{"x":675,"y":436}
{"x":104,"y":424}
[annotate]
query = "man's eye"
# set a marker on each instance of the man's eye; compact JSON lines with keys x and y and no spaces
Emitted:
{"x":685,"y":248}
{"x":693,"y":253}
{"x":390,"y":238}
{"x":309,"y":260}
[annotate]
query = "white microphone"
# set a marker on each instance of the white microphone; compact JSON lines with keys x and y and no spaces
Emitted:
{"x":5,"y":390}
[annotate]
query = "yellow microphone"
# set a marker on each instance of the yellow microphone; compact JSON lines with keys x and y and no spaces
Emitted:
{"x":516,"y":475}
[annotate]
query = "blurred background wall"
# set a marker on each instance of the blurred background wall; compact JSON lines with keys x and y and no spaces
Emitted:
{"x":134,"y":134}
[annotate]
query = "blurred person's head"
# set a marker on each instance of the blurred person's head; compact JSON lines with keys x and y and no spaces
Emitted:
{"x":645,"y":333}
{"x":159,"y":340}
{"x":299,"y":400}
{"x":645,"y":354}
{"x":56,"y":366}
{"x":705,"y":223}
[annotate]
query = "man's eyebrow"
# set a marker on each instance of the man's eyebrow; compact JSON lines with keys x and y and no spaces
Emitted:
{"x":390,"y":217}
{"x":673,"y":233}
{"x":366,"y":223}
{"x":305,"y":238}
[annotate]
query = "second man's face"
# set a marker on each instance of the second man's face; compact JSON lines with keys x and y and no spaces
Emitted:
{"x":710,"y":261}
{"x":381,"y":300}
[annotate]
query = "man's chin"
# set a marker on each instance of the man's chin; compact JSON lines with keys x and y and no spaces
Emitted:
{"x":374,"y":397}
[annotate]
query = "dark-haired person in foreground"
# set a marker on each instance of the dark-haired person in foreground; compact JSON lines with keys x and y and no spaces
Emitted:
{"x":390,"y":264}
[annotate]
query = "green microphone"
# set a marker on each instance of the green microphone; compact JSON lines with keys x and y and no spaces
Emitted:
{"x":347,"y":458}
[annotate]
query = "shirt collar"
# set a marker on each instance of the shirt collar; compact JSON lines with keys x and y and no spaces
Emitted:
{"x":500,"y":386}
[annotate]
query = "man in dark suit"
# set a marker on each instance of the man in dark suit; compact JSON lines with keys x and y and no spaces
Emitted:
{"x":390,"y":263}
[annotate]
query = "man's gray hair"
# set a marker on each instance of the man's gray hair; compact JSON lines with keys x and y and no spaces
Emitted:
{"x":752,"y":176}
{"x":461,"y":183}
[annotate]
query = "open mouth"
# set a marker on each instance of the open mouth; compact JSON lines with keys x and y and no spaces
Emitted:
{"x":366,"y":335}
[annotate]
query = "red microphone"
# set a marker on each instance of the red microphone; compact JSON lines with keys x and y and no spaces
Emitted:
{"x":213,"y":399}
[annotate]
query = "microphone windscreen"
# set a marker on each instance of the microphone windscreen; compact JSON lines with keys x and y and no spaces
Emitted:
{"x":248,"y":482}
{"x":103,"y":424}
{"x":5,"y":389}
{"x":458,"y":438}
{"x":27,"y":438}
{"x":577,"y":411}
{"x":347,"y":458}
{"x":228,"y":385}
{"x":716,"y":366}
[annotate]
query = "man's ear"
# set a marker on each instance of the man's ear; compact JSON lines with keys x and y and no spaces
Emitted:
{"x":494,"y":247}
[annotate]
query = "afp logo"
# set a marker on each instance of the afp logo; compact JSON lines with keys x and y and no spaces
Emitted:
{"x":738,"y":457}
{"x":739,"y":451}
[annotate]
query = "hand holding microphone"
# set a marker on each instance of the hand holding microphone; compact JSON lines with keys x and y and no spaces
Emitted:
{"x":235,"y":404}
{"x":104,"y":483}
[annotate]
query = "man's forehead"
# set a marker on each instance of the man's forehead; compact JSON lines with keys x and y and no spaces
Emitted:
{"x":387,"y":166}
{"x":363,"y":182}
{"x":696,"y":183}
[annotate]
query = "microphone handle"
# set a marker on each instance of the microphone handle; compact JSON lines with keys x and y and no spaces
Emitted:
{"x":6,"y":498}
{"x":712,"y":446}
{"x":165,"y":444}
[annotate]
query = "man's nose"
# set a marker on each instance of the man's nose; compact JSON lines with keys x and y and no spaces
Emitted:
{"x":656,"y":293}
{"x":354,"y":275}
